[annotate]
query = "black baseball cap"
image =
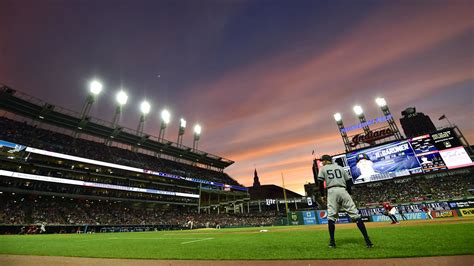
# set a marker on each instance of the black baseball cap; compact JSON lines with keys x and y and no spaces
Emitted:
{"x":326,"y":157}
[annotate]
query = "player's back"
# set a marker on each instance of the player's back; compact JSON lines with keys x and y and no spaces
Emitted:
{"x":334,"y":175}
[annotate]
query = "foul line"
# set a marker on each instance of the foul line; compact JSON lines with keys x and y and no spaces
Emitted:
{"x":204,"y":239}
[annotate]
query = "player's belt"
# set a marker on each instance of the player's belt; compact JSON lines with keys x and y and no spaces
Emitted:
{"x":335,"y":186}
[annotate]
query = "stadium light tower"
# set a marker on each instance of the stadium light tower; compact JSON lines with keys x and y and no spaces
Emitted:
{"x":95,"y":87}
{"x":342,"y":130}
{"x":145,"y":108}
{"x":197,"y":136}
{"x":391,"y":122}
{"x":165,"y":120}
{"x":360,"y":114}
{"x":182,"y":127}
{"x":121,"y":98}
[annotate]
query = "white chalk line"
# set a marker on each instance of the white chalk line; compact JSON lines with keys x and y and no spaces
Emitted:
{"x":204,"y":239}
{"x":143,"y":238}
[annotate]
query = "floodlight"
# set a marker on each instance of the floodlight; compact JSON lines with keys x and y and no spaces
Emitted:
{"x":182,"y":123}
{"x":95,"y":87}
{"x":197,"y":129}
{"x":337,"y":117}
{"x":145,"y":107}
{"x":358,"y":110}
{"x":121,"y":97}
{"x":165,"y":116}
{"x":381,"y":102}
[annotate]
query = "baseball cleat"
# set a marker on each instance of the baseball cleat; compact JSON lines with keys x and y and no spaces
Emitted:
{"x":370,"y":245}
{"x":332,"y":244}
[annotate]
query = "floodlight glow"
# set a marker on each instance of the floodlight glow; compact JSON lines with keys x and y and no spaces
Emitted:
{"x":122,"y":97}
{"x":182,"y":123}
{"x":145,"y":107}
{"x":358,"y":110}
{"x":165,"y":116}
{"x":337,"y":117}
{"x":197,"y":129}
{"x":95,"y":87}
{"x":381,"y":102}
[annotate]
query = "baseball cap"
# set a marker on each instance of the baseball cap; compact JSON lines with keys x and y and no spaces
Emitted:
{"x":326,"y":157}
{"x":362,"y":156}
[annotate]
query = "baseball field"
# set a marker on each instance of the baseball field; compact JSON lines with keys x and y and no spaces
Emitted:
{"x":409,"y":239}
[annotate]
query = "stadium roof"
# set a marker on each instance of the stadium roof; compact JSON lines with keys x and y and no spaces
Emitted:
{"x":33,"y":108}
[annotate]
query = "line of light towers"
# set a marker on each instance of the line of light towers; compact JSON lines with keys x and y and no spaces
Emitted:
{"x":95,"y":88}
{"x":360,"y":115}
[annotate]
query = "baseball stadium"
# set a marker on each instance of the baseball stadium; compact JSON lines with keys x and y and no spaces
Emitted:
{"x":78,"y":187}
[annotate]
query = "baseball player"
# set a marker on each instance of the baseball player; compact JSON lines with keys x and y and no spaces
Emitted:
{"x":427,"y":211}
{"x":366,"y":168}
{"x":338,"y":183}
{"x":390,"y":211}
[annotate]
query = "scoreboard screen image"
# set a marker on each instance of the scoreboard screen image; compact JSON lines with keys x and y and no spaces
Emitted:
{"x":429,"y":153}
{"x":383,"y":162}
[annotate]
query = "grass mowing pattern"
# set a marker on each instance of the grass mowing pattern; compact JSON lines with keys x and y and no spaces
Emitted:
{"x":280,"y":243}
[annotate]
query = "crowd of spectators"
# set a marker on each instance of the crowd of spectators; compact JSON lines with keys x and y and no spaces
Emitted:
{"x":16,"y":209}
{"x":413,"y":189}
{"x":89,"y":191}
{"x":26,"y":134}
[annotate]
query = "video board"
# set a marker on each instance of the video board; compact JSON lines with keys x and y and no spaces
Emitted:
{"x":429,"y":153}
{"x":383,"y":162}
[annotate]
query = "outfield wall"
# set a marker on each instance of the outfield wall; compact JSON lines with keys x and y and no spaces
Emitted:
{"x":441,"y":209}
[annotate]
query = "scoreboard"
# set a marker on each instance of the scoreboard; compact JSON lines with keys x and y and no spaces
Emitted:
{"x":429,"y":153}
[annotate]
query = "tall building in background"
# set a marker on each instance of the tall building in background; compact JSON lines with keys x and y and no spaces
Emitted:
{"x":256,"y":182}
{"x":416,"y":124}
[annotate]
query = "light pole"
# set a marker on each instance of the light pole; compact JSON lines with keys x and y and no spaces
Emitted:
{"x":95,"y":87}
{"x":165,"y":120}
{"x":145,"y":108}
{"x":360,"y":114}
{"x":121,"y":99}
{"x":197,"y":136}
{"x":182,"y":127}
{"x":342,"y":130}
{"x":391,"y":122}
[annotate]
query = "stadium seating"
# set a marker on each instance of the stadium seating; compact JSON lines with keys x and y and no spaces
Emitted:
{"x":23,"y":209}
{"x":25,"y":134}
{"x":413,"y":189}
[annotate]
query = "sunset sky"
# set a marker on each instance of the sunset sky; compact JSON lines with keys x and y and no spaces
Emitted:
{"x":262,"y":77}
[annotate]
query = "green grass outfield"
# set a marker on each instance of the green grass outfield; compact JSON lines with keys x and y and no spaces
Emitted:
{"x":410,"y":239}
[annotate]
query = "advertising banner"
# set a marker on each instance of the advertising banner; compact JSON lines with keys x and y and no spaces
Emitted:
{"x":11,"y":147}
{"x":309,"y":217}
{"x":467,"y":212}
{"x":295,"y":218}
{"x":444,"y":214}
{"x":323,"y":217}
{"x":409,"y":216}
{"x":445,"y":139}
{"x":461,"y":204}
{"x":456,"y":158}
